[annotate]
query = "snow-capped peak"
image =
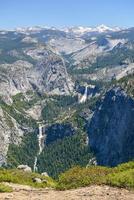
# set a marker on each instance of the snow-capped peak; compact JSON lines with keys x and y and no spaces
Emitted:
{"x":80,"y":30}
{"x":30,"y":28}
{"x":103,"y":28}
{"x":76,"y":30}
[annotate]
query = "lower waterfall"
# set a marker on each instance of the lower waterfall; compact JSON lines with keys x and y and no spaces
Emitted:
{"x":35,"y":164}
{"x":41,"y":146}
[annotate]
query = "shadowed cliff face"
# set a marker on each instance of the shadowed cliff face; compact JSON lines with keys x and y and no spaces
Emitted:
{"x":111,"y":130}
{"x":58,"y":131}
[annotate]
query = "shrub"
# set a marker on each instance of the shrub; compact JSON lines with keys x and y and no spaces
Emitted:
{"x":125,"y":166}
{"x":80,"y":177}
{"x":121,"y":179}
{"x":120,"y":176}
{"x":25,"y":178}
{"x":5,"y":188}
{"x":123,"y":176}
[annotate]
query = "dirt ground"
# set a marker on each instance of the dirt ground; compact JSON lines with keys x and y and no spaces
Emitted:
{"x":86,"y":193}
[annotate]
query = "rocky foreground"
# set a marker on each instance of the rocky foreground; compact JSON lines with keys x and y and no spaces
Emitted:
{"x":86,"y":193}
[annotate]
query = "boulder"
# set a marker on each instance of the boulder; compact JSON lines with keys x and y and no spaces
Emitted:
{"x":45,"y":174}
{"x":24,"y":168}
{"x":92,"y":161}
{"x":37,"y":180}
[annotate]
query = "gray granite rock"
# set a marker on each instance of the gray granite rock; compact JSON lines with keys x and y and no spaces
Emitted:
{"x":111,"y":129}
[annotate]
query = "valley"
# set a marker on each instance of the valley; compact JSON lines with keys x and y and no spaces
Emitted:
{"x":66,"y":97}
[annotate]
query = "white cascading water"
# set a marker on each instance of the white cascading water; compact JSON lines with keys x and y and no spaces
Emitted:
{"x":35,"y":164}
{"x":41,"y":145}
{"x":40,"y":137}
{"x":84,"y":97}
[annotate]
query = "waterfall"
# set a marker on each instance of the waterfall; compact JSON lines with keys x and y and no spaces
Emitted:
{"x":84,"y":97}
{"x":41,"y":146}
{"x":35,"y":164}
{"x":40,"y":140}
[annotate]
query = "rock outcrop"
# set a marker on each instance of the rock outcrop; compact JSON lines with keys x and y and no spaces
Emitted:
{"x":24,"y":168}
{"x":45,"y":174}
{"x":10,"y":132}
{"x":47,"y":74}
{"x":111,"y":130}
{"x":51,"y":76}
{"x":58,"y":131}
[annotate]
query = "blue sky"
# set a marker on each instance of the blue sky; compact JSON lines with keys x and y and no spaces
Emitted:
{"x":14,"y":13}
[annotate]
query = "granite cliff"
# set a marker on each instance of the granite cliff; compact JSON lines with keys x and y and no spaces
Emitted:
{"x":111,"y":129}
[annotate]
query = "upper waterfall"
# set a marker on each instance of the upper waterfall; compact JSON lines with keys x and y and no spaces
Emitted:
{"x":84,"y":97}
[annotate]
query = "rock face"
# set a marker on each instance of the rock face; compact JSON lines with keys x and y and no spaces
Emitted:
{"x":9,"y":133}
{"x":52,"y":77}
{"x":111,"y":130}
{"x":14,"y":79}
{"x":48,"y":75}
{"x":58,"y":131}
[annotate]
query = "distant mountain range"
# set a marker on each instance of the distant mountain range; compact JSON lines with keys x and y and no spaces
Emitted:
{"x":77,"y":30}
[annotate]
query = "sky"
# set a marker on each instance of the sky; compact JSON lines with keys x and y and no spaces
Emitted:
{"x":61,"y":13}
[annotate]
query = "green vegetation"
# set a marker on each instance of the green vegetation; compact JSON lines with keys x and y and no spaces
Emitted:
{"x":116,"y":57}
{"x":70,"y":151}
{"x":122,"y":179}
{"x":25,"y":178}
{"x":120,"y":176}
{"x":50,"y":111}
{"x":78,"y":176}
{"x":85,"y":70}
{"x":57,"y":105}
{"x":21,"y":103}
{"x":81,"y":177}
{"x":64,"y":154}
{"x":20,"y":117}
{"x":5,"y":188}
{"x":123,"y":176}
{"x":8,"y":119}
{"x":58,"y":156}
{"x":9,"y":59}
{"x":4,"y":58}
{"x":12,"y":42}
{"x":24,"y":153}
{"x":127,"y":83}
